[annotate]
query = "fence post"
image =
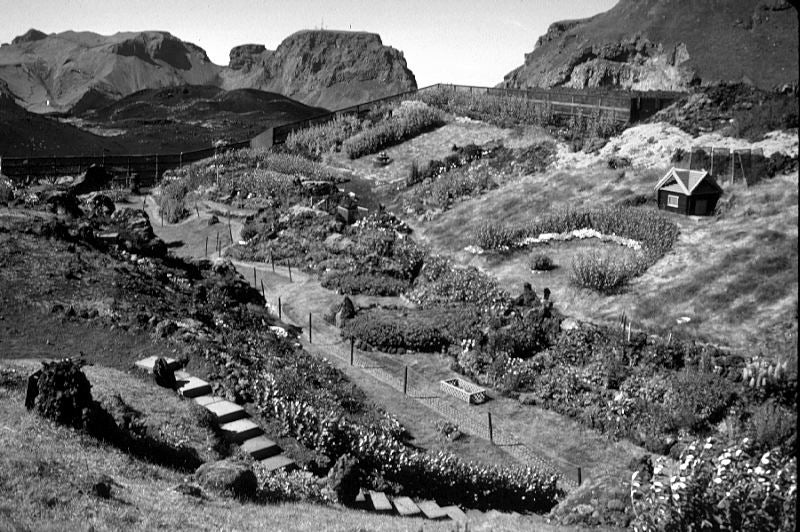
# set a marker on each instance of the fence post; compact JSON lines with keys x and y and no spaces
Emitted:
{"x":580,"y":477}
{"x":216,"y":246}
{"x":272,"y":260}
{"x":280,"y":315}
{"x":180,"y":160}
{"x":352,"y":342}
{"x":206,"y":253}
{"x":491,"y":432}
{"x":255,"y":282}
{"x":290,"y":270}
{"x":309,"y":327}
{"x":156,"y":167}
{"x":263,"y":291}
{"x":405,"y":381}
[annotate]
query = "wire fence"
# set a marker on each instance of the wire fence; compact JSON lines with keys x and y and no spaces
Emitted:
{"x":414,"y":385}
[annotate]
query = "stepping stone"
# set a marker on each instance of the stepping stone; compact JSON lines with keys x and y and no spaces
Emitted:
{"x":379,"y":501}
{"x":455,"y":513}
{"x":240,"y":430}
{"x":260,"y":447}
{"x":205,"y":400}
{"x":226,"y":411}
{"x":194,"y":387}
{"x":405,"y":506}
{"x":279,"y":461}
{"x":146,"y":364}
{"x":432,"y":510}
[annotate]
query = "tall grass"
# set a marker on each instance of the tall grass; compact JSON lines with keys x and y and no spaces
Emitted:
{"x":322,"y":138}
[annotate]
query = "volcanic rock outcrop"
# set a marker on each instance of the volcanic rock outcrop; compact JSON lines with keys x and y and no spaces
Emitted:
{"x":668,"y":45}
{"x":323,"y":68}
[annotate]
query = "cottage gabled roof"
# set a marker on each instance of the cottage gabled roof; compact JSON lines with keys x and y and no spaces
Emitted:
{"x":685,"y":181}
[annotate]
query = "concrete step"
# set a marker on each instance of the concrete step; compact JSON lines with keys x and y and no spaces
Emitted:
{"x":205,"y":400}
{"x":240,"y":430}
{"x":146,"y":364}
{"x":432,"y":510}
{"x":260,"y":447}
{"x":455,"y":513}
{"x":279,"y":461}
{"x":379,"y":501}
{"x":193,"y":387}
{"x":405,"y":506}
{"x":226,"y":411}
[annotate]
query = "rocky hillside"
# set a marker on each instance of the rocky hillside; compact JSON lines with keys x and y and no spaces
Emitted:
{"x":81,"y":70}
{"x":84,"y":69}
{"x":668,"y":45}
{"x":331,"y":69}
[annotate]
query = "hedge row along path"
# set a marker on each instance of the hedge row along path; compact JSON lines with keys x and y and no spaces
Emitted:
{"x":533,"y":436}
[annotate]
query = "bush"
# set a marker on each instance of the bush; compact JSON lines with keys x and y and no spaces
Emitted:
{"x":734,"y":488}
{"x":697,"y":399}
{"x":322,"y":138}
{"x":772,"y":426}
{"x":602,"y":270}
{"x":345,"y":479}
{"x":64,"y":393}
{"x":541,"y":262}
{"x":172,"y":202}
{"x":369,"y":283}
{"x":387,"y":331}
{"x":408,"y":120}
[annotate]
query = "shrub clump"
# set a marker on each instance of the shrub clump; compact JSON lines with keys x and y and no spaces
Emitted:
{"x":408,"y":120}
{"x":344,"y":479}
{"x":64,"y":393}
{"x":541,"y":263}
{"x":602,"y":270}
{"x":172,"y":201}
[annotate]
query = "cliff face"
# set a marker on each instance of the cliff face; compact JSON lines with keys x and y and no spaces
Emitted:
{"x":668,"y":45}
{"x":83,"y":70}
{"x":330,"y":69}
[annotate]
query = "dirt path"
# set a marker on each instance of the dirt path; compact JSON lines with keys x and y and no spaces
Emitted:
{"x":530,"y":435}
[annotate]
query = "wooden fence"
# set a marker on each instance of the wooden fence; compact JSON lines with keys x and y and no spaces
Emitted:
{"x":148,"y":169}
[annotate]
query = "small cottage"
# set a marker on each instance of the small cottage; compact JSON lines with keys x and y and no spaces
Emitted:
{"x":692,"y":192}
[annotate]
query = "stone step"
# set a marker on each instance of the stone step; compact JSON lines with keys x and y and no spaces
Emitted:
{"x":379,"y":501}
{"x":455,"y":513}
{"x":279,"y":461}
{"x":205,"y":400}
{"x":260,"y":447}
{"x":146,"y":364}
{"x":432,"y":510}
{"x":405,"y":506}
{"x":361,"y":498}
{"x":226,"y":411}
{"x":193,"y":387}
{"x":240,"y":430}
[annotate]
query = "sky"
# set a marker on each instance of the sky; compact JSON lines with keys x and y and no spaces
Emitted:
{"x":466,"y":42}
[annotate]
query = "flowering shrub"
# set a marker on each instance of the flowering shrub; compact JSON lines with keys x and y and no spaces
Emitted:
{"x":715,"y":488}
{"x":363,"y":282}
{"x":541,"y":262}
{"x":408,"y":120}
{"x":388,"y":332}
{"x":442,"y":283}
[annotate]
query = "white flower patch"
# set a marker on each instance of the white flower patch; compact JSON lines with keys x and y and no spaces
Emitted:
{"x":581,"y":234}
{"x":475,"y":250}
{"x":279,"y":331}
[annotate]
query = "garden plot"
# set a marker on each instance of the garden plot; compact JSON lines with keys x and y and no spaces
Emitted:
{"x":435,"y":144}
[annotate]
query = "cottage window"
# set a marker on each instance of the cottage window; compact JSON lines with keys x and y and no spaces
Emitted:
{"x":672,"y":200}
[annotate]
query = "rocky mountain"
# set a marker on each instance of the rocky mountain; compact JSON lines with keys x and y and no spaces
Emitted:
{"x":668,"y":45}
{"x":331,"y":69}
{"x":81,"y":70}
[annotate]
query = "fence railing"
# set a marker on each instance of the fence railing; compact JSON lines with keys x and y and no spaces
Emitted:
{"x":148,"y":168}
{"x":727,"y":166}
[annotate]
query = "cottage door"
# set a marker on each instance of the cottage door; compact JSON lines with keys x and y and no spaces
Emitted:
{"x":700,"y":207}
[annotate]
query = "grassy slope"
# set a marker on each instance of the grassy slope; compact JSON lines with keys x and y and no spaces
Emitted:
{"x":47,"y":471}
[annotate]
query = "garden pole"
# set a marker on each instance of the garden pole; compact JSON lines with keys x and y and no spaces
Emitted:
{"x":491,"y":433}
{"x":206,"y":254}
{"x":405,"y":381}
{"x":263,"y":291}
{"x":351,"y":350}
{"x":580,"y":477}
{"x":290,"y":271}
{"x":272,"y":260}
{"x":255,"y":282}
{"x":279,"y":308}
{"x":216,"y":246}
{"x":309,"y":327}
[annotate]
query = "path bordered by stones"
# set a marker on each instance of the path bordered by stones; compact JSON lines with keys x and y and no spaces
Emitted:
{"x":234,"y":421}
{"x":240,"y":429}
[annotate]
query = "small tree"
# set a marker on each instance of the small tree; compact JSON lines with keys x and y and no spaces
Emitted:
{"x":345,"y":478}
